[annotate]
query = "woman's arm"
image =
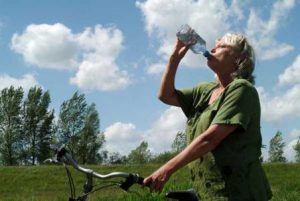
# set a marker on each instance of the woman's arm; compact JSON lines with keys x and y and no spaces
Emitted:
{"x":167,"y":86}
{"x":204,"y":143}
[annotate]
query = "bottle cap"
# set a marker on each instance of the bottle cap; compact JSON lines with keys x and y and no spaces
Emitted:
{"x":206,"y":54}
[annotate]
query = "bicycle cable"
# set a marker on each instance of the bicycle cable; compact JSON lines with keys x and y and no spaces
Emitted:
{"x":71,"y":182}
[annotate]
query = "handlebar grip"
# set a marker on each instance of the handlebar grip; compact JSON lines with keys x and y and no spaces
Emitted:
{"x":133,"y":179}
{"x":140,"y":180}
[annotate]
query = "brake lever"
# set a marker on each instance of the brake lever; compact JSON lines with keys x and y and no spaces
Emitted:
{"x":59,"y":152}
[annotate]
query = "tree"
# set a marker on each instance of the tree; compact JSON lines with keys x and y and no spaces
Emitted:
{"x":37,"y":126}
{"x":179,"y":142}
{"x":10,"y":124}
{"x":79,"y":129}
{"x":71,"y":121}
{"x":116,"y":158}
{"x":91,"y":140}
{"x":297,"y":150}
{"x":102,"y":156}
{"x":276,"y":148}
{"x":163,"y":157}
{"x":46,"y":137}
{"x":140,"y":155}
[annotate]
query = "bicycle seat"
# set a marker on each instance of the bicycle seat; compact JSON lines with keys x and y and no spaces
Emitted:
{"x":187,"y":195}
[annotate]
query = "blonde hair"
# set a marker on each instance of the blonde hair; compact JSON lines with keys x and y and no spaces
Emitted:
{"x":246,"y":61}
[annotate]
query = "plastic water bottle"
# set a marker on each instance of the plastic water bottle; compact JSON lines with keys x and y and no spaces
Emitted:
{"x":187,"y":35}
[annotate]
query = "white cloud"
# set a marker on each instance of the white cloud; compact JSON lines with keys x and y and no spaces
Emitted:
{"x":262,"y":33}
{"x":103,"y":76}
{"x":92,"y":53}
{"x":156,"y":69}
{"x":286,"y":105}
{"x":164,"y":17}
{"x":236,"y":9}
{"x":291,"y":140}
{"x":123,"y":137}
{"x":105,"y":41}
{"x":47,"y":46}
{"x":291,"y":74}
{"x":295,"y":133}
{"x":162,"y":133}
{"x":98,"y":69}
{"x":26,"y":82}
{"x":289,"y":151}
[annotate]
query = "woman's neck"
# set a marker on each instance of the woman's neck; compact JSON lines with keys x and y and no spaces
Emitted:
{"x":224,"y":81}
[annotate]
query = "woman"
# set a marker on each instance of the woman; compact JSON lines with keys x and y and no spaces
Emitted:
{"x":223,"y":127}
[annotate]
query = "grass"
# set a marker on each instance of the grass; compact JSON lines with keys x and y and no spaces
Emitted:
{"x":45,"y":183}
{"x":284,"y":180}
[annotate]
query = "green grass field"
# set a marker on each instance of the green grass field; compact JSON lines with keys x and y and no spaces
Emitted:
{"x":45,"y":183}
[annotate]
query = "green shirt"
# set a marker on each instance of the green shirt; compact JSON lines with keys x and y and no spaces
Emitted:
{"x":232,"y":171}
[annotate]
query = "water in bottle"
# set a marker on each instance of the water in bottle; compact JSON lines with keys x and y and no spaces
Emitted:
{"x":187,"y":35}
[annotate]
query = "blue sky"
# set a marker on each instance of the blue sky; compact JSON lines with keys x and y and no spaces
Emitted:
{"x":115,"y":52}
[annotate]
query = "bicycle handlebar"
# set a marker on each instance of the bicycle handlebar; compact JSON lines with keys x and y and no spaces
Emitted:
{"x":62,"y":155}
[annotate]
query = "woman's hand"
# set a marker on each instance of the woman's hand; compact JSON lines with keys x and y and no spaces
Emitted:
{"x":158,"y":179}
{"x":180,"y":50}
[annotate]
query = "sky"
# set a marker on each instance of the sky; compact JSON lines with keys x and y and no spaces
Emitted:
{"x":115,"y":51}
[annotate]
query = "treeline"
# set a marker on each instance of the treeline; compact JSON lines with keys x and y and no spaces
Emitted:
{"x":143,"y":155}
{"x":29,"y":131}
{"x":28,"y":127}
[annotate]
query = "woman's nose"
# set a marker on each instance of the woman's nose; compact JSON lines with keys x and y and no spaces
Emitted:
{"x":213,"y":50}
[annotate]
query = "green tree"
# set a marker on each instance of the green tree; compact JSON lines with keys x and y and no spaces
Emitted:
{"x":91,"y":139}
{"x":116,"y":158}
{"x":297,"y":150}
{"x":46,"y":137}
{"x":163,"y":157}
{"x":71,"y":121}
{"x":79,"y":129}
{"x":10,"y":124}
{"x":276,"y":148}
{"x":179,"y":142}
{"x":140,"y":155}
{"x":102,"y":156}
{"x":37,"y":126}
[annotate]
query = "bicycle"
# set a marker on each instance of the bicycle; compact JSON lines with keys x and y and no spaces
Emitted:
{"x":64,"y":157}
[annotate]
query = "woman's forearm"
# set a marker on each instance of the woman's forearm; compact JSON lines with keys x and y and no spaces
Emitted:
{"x":196,"y":149}
{"x":201,"y":145}
{"x":167,"y":86}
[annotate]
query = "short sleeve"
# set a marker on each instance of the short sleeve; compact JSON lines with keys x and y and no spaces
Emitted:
{"x":185,"y":98}
{"x":238,"y":106}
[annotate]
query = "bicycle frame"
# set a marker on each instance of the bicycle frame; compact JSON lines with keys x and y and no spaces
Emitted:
{"x":63,"y":156}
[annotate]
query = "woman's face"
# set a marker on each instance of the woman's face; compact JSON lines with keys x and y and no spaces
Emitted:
{"x":222,"y":57}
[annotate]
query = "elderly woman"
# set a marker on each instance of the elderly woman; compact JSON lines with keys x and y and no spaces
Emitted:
{"x":223,"y":126}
